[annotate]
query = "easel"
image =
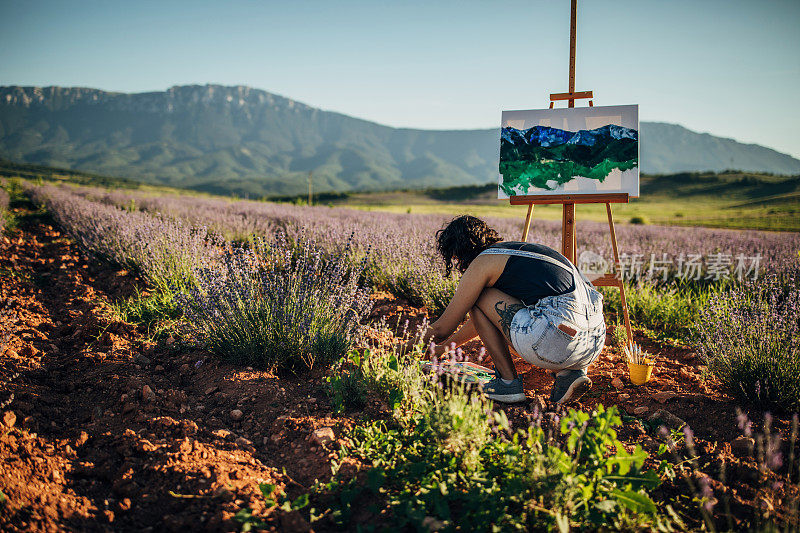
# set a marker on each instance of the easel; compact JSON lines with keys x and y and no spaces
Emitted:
{"x":568,"y":247}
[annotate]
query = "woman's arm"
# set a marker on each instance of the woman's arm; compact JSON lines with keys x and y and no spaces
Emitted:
{"x":483,"y":271}
{"x":465,"y":333}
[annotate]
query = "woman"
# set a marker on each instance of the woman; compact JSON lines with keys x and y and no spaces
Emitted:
{"x":523,"y":295}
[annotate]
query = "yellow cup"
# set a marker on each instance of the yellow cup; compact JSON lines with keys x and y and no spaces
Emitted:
{"x":641,"y":374}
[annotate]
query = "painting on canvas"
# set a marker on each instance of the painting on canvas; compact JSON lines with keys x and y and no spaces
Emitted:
{"x":580,"y":150}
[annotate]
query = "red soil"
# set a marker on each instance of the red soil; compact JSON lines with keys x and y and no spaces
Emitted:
{"x":109,"y":431}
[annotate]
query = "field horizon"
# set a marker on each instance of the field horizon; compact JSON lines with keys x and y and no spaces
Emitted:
{"x":731,"y":199}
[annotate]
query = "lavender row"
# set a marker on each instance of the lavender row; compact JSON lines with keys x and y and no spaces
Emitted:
{"x":404,"y":256}
{"x":164,"y":250}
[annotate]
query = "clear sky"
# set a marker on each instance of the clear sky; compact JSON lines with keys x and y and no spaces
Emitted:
{"x":727,"y":67}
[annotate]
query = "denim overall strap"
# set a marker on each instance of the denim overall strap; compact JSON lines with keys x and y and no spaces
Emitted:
{"x":530,"y":255}
{"x":581,"y":291}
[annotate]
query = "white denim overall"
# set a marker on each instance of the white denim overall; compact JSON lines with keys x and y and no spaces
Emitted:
{"x":534,"y":330}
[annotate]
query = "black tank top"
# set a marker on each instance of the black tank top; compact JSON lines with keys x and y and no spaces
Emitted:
{"x":530,"y":279}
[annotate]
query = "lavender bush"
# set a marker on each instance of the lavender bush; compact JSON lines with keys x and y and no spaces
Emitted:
{"x":277,"y":306}
{"x":750,"y":338}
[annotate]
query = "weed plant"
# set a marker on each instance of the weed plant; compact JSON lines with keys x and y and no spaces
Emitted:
{"x":275,"y":305}
{"x":750,"y":339}
{"x":347,"y":384}
{"x":578,"y":475}
{"x":447,"y":461}
{"x":157,"y":311}
{"x":4,"y":212}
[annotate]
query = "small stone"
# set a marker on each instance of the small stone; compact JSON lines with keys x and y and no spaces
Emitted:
{"x":617,"y":383}
{"x":623,"y":397}
{"x":664,"y":417}
{"x":82,"y":438}
{"x":211,"y":390}
{"x":432,"y":524}
{"x":222,"y":492}
{"x":29,"y":351}
{"x":538,"y":403}
{"x":742,"y":446}
{"x":664,"y":396}
{"x":140,"y":359}
{"x":641,"y":410}
{"x":243,"y":442}
{"x":147,"y":394}
{"x":222,"y":433}
{"x":265,"y":441}
{"x":170,"y":340}
{"x":323,"y":435}
{"x":748,"y":474}
{"x":159,"y":368}
{"x":9,"y":419}
{"x":236,"y":414}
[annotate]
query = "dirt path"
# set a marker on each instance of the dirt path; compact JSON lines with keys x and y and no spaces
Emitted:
{"x":107,"y":431}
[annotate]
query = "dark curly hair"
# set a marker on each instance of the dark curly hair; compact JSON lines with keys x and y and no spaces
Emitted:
{"x":462,"y":240}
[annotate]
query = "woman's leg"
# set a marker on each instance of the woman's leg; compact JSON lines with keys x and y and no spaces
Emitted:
{"x":492,"y":317}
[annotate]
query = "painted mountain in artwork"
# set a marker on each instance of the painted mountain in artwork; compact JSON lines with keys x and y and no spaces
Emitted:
{"x":545,"y":157}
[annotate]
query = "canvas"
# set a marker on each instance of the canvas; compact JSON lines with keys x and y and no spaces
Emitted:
{"x":580,"y":150}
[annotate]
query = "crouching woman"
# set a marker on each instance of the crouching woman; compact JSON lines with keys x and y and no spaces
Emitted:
{"x":524,"y":296}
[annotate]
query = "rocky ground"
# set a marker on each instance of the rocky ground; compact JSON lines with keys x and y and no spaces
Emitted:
{"x":103,"y":429}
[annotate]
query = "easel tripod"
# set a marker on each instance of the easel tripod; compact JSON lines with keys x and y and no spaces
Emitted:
{"x":568,"y":240}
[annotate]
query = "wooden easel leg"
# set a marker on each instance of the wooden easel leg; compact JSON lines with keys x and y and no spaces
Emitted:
{"x":625,"y":315}
{"x":568,"y":232}
{"x":527,"y":223}
{"x":621,"y":285}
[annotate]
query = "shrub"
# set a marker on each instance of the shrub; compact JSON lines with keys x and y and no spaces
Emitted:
{"x":347,"y":385}
{"x":447,"y":461}
{"x":640,"y":220}
{"x":620,"y":337}
{"x":667,"y":311}
{"x":277,"y":306}
{"x":750,"y":338}
{"x":573,"y":474}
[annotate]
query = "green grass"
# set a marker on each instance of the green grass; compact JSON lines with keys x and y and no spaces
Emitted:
{"x":735,"y":200}
{"x":667,"y":312}
{"x":157,"y":312}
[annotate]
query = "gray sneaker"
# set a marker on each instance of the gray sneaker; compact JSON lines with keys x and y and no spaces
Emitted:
{"x":500,"y":392}
{"x":569,"y":385}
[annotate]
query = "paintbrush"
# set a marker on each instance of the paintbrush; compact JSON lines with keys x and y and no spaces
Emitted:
{"x":634,"y":354}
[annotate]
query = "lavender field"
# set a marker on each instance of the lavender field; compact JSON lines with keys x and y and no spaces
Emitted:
{"x":402,"y":256}
{"x":290,"y":289}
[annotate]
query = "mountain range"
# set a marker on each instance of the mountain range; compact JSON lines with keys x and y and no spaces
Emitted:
{"x":240,"y":140}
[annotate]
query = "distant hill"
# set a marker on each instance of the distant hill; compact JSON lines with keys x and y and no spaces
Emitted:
{"x":239,"y":140}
